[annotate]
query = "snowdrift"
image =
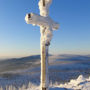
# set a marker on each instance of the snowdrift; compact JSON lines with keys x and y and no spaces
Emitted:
{"x":81,"y":83}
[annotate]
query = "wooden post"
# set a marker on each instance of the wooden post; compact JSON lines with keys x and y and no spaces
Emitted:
{"x":44,"y":49}
{"x":46,"y":28}
{"x":44,"y":67}
{"x":44,"y":3}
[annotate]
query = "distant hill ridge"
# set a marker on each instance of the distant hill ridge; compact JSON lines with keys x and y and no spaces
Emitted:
{"x":65,"y":56}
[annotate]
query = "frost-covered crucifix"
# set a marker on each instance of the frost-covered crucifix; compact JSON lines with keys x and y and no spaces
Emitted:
{"x":47,"y":25}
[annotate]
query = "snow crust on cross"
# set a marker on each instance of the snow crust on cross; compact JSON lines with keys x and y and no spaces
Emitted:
{"x":46,"y":24}
{"x":44,"y":7}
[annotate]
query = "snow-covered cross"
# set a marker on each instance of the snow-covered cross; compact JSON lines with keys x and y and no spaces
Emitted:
{"x":47,"y":25}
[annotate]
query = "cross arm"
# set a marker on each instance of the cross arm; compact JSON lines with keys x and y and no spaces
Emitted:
{"x":38,"y":20}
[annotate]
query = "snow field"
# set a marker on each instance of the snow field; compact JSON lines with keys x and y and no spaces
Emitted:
{"x":80,"y":83}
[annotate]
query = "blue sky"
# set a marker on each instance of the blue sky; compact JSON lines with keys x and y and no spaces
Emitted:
{"x":19,"y":39}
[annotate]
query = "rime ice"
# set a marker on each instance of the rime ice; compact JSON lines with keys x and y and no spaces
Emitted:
{"x":46,"y":22}
{"x":44,"y":10}
{"x":41,"y":21}
{"x":47,"y":25}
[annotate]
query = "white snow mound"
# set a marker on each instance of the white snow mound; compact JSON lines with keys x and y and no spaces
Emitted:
{"x":80,"y":83}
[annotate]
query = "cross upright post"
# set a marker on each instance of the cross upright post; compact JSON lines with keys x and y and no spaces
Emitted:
{"x":47,"y":25}
{"x":44,"y":11}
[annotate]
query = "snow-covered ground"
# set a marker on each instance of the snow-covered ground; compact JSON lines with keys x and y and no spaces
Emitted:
{"x":65,"y":71}
{"x":80,"y":83}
